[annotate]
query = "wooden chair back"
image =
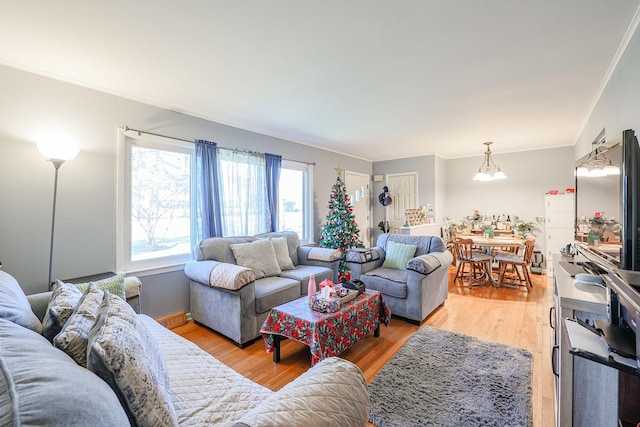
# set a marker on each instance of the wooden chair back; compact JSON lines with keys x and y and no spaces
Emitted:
{"x":529,"y":246}
{"x":463,"y":248}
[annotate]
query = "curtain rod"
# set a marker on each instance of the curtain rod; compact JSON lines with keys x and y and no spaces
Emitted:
{"x":126,"y":128}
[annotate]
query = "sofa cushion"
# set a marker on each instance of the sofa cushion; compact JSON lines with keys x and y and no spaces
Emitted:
{"x":64,"y":299}
{"x":398,"y":255}
{"x":42,"y":386}
{"x":14,"y":305}
{"x":303,"y":272}
{"x":388,"y":281}
{"x":218,"y":248}
{"x":113,"y":284}
{"x":74,"y":335}
{"x":425,"y":244}
{"x":258,"y":256}
{"x":126,"y":356}
{"x":272,"y":291}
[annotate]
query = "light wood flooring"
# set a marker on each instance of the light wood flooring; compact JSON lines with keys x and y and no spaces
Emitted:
{"x":513,"y":317}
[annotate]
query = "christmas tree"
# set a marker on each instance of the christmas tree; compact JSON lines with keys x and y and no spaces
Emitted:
{"x":340,"y":231}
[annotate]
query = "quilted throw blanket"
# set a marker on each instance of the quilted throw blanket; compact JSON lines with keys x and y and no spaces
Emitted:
{"x":230,"y":276}
{"x":205,"y":392}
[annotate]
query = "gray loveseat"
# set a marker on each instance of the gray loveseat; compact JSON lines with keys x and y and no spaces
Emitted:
{"x":41,"y":385}
{"x":235,"y":300}
{"x":413,"y":290}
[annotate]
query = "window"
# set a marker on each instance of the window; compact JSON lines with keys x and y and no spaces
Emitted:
{"x":157,"y":204}
{"x":156,"y":213}
{"x":296,"y":201}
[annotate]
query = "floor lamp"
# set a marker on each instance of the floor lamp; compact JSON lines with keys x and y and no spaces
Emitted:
{"x":57,"y":151}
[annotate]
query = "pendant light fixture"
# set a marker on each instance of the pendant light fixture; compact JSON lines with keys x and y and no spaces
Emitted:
{"x":597,"y":165}
{"x":489,"y":170}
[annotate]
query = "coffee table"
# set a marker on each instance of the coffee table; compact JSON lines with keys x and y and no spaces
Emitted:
{"x":326,"y":334}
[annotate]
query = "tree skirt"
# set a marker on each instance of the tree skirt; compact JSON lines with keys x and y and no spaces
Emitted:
{"x":441,"y":378}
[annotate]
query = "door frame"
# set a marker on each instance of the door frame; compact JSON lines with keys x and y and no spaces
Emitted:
{"x":367,"y":228}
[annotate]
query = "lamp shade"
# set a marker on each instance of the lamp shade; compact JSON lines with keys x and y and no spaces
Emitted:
{"x":56,"y":146}
{"x":611,"y":170}
{"x":479,"y":176}
{"x":499,"y":175}
{"x":596,"y":172}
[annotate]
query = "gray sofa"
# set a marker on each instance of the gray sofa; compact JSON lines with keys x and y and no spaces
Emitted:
{"x":414,"y":290}
{"x":228,"y":299}
{"x":40,"y":385}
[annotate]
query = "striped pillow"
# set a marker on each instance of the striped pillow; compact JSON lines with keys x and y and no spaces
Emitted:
{"x":114,"y":285}
{"x":398,"y":255}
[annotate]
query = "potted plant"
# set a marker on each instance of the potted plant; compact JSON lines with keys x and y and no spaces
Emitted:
{"x":523,"y":227}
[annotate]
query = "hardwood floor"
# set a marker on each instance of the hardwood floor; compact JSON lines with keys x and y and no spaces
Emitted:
{"x":513,"y":317}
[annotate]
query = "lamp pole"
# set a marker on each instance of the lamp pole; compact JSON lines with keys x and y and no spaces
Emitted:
{"x":55,"y":148}
{"x":56,"y":164}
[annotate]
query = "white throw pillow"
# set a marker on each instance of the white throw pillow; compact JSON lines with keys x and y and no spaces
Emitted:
{"x":281,"y":249}
{"x":258,"y":256}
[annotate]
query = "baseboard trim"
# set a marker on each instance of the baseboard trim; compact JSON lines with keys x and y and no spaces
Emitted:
{"x":173,"y":320}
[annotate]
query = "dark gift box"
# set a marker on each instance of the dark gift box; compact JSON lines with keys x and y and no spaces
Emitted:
{"x":357,"y":285}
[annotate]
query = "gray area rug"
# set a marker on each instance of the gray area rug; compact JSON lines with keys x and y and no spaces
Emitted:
{"x":441,"y":378}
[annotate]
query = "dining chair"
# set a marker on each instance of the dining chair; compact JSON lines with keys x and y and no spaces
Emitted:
{"x":445,"y":233}
{"x":478,"y":263}
{"x":519,"y":263}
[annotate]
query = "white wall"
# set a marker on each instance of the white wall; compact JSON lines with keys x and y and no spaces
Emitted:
{"x":530,"y":174}
{"x":424,"y":165}
{"x":618,"y":108}
{"x":86,"y":211}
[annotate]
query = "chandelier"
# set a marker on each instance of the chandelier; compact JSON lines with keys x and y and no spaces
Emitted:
{"x":596,"y":166}
{"x":489,"y":170}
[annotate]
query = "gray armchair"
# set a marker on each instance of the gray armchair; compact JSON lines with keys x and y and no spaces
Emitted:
{"x":412,"y":293}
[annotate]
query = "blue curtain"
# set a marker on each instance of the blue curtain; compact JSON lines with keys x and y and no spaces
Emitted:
{"x":273,"y":164}
{"x":207,"y":192}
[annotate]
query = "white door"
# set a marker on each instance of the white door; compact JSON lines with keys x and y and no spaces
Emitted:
{"x":403,"y":189}
{"x":357,"y":185}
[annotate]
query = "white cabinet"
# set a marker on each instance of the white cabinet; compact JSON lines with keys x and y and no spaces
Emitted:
{"x":559,"y":224}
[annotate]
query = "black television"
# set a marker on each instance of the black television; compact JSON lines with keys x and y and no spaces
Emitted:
{"x":608,"y":203}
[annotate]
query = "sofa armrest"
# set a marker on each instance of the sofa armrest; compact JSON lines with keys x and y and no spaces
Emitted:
{"x":320,"y":257}
{"x":358,"y":264}
{"x":331,"y":393}
{"x":39,"y":303}
{"x":312,"y":253}
{"x":364,"y":255}
{"x":219,"y":274}
{"x":199,"y":271}
{"x":428,"y":263}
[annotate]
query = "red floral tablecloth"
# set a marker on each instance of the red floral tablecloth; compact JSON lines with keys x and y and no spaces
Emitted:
{"x":326,"y":334}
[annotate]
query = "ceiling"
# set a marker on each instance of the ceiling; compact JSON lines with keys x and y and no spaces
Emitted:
{"x":370,"y":78}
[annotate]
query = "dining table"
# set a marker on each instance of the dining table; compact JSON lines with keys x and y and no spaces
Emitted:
{"x":507,"y":243}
